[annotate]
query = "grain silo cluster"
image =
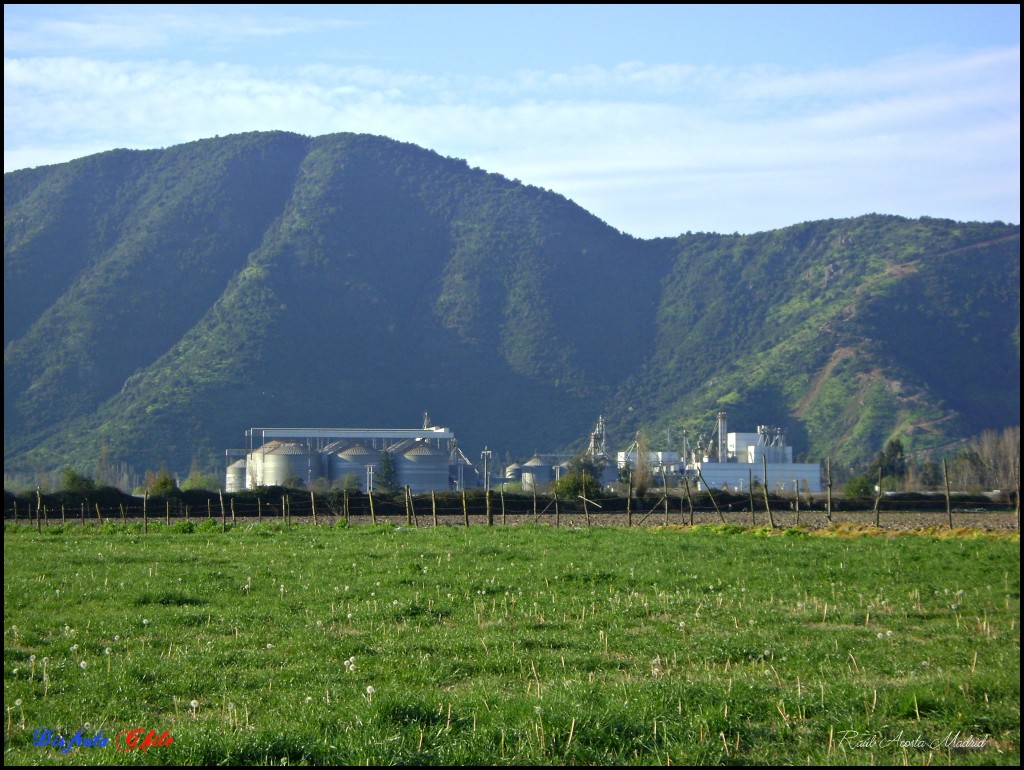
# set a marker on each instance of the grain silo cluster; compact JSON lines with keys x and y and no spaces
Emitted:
{"x":422,"y":459}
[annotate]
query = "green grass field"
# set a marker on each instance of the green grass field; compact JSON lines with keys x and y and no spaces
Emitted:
{"x":511,"y":645}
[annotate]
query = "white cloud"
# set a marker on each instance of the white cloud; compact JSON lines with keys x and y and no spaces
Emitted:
{"x":640,"y":145}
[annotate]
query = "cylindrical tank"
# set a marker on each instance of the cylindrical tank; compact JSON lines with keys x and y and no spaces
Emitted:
{"x":282,"y":461}
{"x":235,"y":478}
{"x":514,"y":472}
{"x":353,"y":461}
{"x":422,"y":468}
{"x":537,"y":474}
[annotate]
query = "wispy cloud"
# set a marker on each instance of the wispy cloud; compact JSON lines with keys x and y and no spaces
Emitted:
{"x":669,"y":144}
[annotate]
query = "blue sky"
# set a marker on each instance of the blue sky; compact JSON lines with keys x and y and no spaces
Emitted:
{"x":658,"y":119}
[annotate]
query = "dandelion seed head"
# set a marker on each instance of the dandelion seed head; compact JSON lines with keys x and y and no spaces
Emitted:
{"x":193,"y":704}
{"x":17,"y":702}
{"x":370,"y":690}
{"x":881,"y":635}
{"x":82,"y":665}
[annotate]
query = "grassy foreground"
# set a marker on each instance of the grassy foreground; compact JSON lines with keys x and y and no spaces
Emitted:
{"x":511,"y":645}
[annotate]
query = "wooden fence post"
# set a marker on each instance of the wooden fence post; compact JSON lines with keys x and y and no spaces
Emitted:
{"x":145,"y":512}
{"x":714,"y":502}
{"x":767,"y":505}
{"x":949,"y":506}
{"x":373,"y":513}
{"x":465,"y":510}
{"x":878,"y":497}
{"x":433,"y":507}
{"x":689,"y":498}
{"x":750,"y":495}
{"x":828,"y":487}
{"x":629,"y":502}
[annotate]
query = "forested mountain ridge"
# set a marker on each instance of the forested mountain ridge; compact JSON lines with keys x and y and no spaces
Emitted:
{"x":161,"y":302}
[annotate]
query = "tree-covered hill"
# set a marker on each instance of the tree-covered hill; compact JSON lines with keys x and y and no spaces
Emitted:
{"x":158,"y":303}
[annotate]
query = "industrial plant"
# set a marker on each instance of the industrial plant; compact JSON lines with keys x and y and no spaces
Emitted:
{"x":422,"y":459}
{"x":429,"y":458}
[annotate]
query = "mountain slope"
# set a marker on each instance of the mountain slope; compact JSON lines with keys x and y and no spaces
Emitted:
{"x":162,"y":302}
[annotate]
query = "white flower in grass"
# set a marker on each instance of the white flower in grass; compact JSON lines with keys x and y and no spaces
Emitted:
{"x":82,"y":665}
{"x":145,"y":621}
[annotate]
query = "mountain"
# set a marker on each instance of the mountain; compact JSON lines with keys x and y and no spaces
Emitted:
{"x":159,"y":303}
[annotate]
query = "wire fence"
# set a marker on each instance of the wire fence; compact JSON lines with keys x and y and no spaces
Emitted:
{"x":676,"y":508}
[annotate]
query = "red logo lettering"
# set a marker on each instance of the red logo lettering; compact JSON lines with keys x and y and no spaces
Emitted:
{"x":136,"y":739}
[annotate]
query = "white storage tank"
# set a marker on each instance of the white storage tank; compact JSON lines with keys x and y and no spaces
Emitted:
{"x":422,"y":468}
{"x":537,"y":474}
{"x":279,"y":461}
{"x":353,"y":461}
{"x":234,"y":480}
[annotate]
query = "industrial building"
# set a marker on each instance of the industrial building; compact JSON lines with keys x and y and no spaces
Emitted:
{"x":423,"y":459}
{"x":741,"y":458}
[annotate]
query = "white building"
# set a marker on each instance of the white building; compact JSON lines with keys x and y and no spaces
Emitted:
{"x":745,"y":458}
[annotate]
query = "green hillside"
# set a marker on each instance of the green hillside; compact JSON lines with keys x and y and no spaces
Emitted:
{"x":161,"y":302}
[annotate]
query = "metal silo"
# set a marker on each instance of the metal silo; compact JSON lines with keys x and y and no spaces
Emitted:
{"x":284,"y":460}
{"x":235,"y":478}
{"x":422,"y":468}
{"x":514,"y":472}
{"x":353,"y":461}
{"x":537,"y":474}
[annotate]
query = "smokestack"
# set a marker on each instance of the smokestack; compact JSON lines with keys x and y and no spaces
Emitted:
{"x":722,"y":429}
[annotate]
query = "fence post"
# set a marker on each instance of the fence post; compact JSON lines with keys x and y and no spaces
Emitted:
{"x":828,"y":487}
{"x":949,"y":507}
{"x":767,"y":505}
{"x":689,"y":498}
{"x":433,"y":507}
{"x":145,"y":512}
{"x":312,"y":504}
{"x":750,"y":495}
{"x":629,"y":502}
{"x":465,"y":510}
{"x":878,"y":498}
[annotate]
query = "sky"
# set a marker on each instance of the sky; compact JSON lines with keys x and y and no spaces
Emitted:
{"x":659,"y":119}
